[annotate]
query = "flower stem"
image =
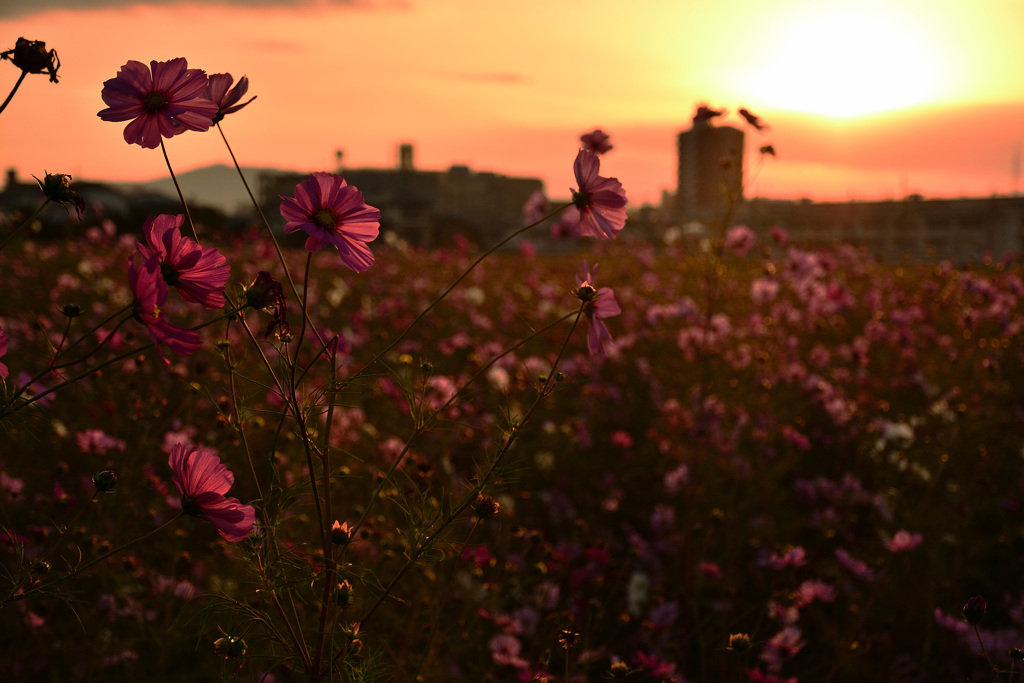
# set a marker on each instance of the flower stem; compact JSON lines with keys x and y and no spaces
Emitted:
{"x":13,"y":90}
{"x":178,"y":188}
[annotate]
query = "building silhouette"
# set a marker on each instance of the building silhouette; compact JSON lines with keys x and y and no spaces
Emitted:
{"x":424,"y":207}
{"x":709,"y":182}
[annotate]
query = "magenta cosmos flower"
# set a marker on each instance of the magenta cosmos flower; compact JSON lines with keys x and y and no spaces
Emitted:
{"x":150,"y":292}
{"x":198,"y":274}
{"x":601,"y":201}
{"x":332,"y":212}
{"x":596,"y":141}
{"x":597,"y":304}
{"x":202,"y":479}
{"x":163,"y":99}
{"x":3,"y":352}
{"x":220,"y":92}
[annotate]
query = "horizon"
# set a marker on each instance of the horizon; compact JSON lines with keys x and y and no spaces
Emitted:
{"x":865,"y":101}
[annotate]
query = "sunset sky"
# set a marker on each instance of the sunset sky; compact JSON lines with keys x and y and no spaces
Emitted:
{"x":865,"y":99}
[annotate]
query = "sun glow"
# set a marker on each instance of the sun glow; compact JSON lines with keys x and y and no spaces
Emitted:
{"x":846,"y":62}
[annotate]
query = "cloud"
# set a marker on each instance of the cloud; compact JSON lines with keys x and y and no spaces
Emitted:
{"x":15,"y":9}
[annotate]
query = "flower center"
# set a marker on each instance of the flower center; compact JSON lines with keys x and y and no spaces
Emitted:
{"x":169,"y":273}
{"x":581,"y":199}
{"x":190,"y":507}
{"x":155,"y":101}
{"x":325,"y":219}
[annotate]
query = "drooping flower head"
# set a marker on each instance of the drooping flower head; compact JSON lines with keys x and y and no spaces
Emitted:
{"x":150,"y":293}
{"x":601,"y":201}
{"x":333,"y":212}
{"x":202,"y":479}
{"x":32,"y":57}
{"x":198,"y":274}
{"x":266,"y":293}
{"x":597,"y":304}
{"x":57,"y":188}
{"x":220,"y":92}
{"x":596,"y":141}
{"x":163,"y":99}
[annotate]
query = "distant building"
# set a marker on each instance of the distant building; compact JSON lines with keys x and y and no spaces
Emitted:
{"x":427,"y":208}
{"x":710,"y":170}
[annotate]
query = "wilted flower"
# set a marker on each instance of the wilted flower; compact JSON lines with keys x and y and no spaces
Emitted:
{"x":150,"y":293}
{"x":198,"y":274}
{"x":202,"y":479}
{"x":57,"y":188}
{"x":601,"y":201}
{"x":31,"y":56}
{"x":219,"y":93}
{"x":163,"y":99}
{"x":600,"y":303}
{"x":596,"y":141}
{"x":333,"y":212}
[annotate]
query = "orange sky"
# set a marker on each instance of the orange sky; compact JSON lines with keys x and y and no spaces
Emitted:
{"x":866,"y":99}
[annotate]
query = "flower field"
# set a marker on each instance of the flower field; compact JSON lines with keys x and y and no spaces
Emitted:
{"x":792,"y":465}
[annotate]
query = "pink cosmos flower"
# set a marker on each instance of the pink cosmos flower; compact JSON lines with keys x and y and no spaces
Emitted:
{"x":596,"y":141}
{"x":150,"y":292}
{"x":202,"y":479}
{"x":163,"y":99}
{"x":601,"y":201}
{"x":198,"y":274}
{"x":598,"y":304}
{"x":218,"y":92}
{"x":740,"y":239}
{"x":332,"y":212}
{"x":3,"y":352}
{"x":535,"y":207}
{"x":903,"y":540}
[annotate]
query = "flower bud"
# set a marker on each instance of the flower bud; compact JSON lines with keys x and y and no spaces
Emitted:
{"x":230,"y":647}
{"x":568,"y":638}
{"x":105,"y":481}
{"x":71,"y":310}
{"x":343,"y":594}
{"x":41,"y":567}
{"x":618,"y":670}
{"x":974,"y":610}
{"x":486,"y":507}
{"x":585,"y":292}
{"x":340,"y":533}
{"x":739,"y":642}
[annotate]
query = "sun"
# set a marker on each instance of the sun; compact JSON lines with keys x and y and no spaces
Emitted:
{"x":846,"y":61}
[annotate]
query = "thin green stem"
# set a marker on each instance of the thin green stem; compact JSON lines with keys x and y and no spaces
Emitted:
{"x":92,"y":563}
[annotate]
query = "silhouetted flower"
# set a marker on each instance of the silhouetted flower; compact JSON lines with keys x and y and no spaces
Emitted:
{"x":596,"y":141}
{"x":57,"y":188}
{"x":601,"y":201}
{"x":333,"y":212}
{"x":150,"y":292}
{"x":105,"y":481}
{"x":198,"y":274}
{"x":266,"y":292}
{"x":219,"y":93}
{"x":31,"y":56}
{"x":202,"y":479}
{"x":597,"y":304}
{"x":163,"y":99}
